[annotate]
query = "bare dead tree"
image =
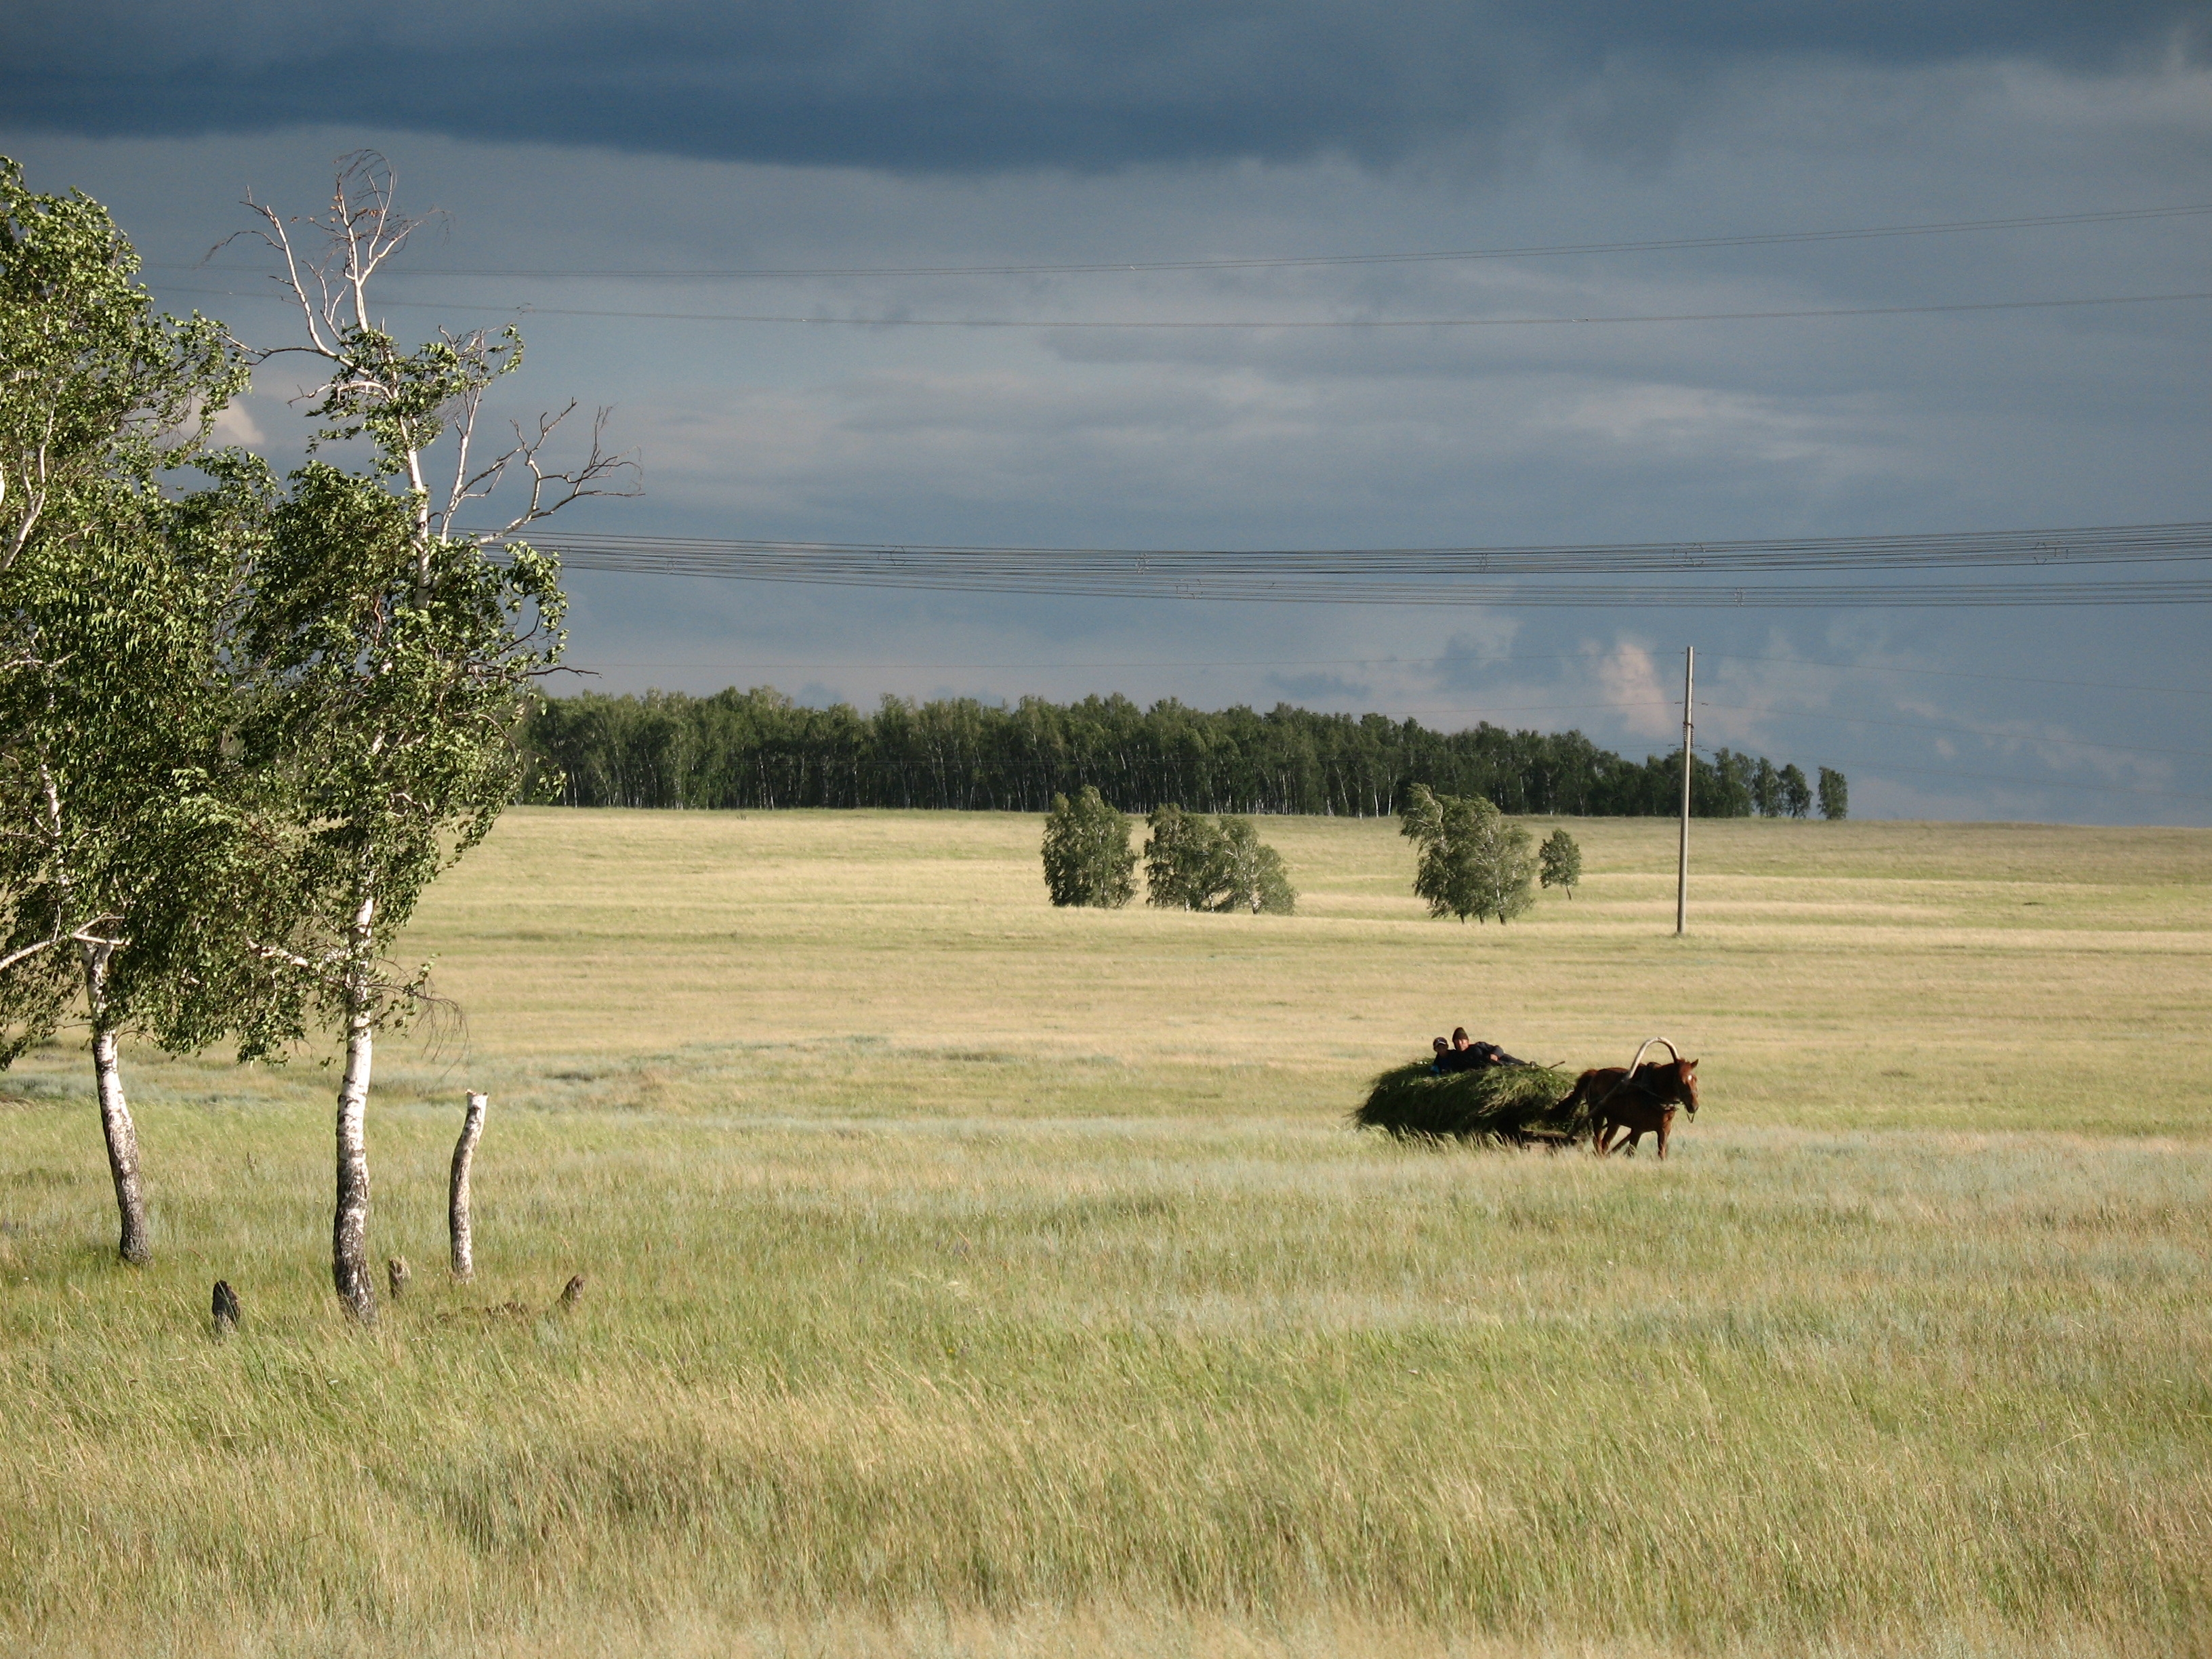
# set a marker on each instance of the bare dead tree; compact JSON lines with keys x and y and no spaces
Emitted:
{"x":408,"y":401}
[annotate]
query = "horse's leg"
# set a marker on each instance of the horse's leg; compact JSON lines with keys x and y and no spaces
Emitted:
{"x":1666,"y":1123}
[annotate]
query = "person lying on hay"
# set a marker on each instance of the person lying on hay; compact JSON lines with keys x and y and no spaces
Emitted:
{"x":1444,"y":1098}
{"x":1466,"y":1054}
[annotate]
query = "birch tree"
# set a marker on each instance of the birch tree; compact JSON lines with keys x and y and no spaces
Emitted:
{"x":400,"y":651}
{"x":1559,"y":861}
{"x":1473,"y":861}
{"x":1193,"y":862}
{"x":1088,"y":860}
{"x":113,"y":595}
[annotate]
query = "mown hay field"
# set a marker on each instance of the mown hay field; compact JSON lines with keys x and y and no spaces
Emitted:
{"x":968,"y":1277}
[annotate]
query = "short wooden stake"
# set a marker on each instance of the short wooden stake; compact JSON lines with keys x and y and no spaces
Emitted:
{"x":397,"y":1271}
{"x":457,"y":1207}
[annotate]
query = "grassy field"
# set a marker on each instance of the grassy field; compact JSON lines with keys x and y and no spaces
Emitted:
{"x":971,"y":1278}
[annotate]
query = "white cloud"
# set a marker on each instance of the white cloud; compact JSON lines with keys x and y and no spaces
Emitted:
{"x":236,"y":425}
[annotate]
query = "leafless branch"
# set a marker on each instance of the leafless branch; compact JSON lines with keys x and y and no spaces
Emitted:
{"x":600,"y":474}
{"x":363,"y":229}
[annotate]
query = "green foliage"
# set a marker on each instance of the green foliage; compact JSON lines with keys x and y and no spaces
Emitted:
{"x":1195,"y":863}
{"x":1796,"y":794}
{"x":1835,"y":794}
{"x":1766,"y":797}
{"x":1511,"y":1103}
{"x":1251,"y":875}
{"x":1473,"y":861}
{"x":758,"y":748}
{"x":1177,"y":850}
{"x":1087,"y":857}
{"x":119,"y":595}
{"x":1559,"y":861}
{"x":95,"y":387}
{"x":380,"y":745}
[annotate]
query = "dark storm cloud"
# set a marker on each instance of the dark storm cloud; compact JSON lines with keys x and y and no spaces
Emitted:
{"x":973,"y":84}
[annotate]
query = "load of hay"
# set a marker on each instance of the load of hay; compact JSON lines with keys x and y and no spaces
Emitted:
{"x":1518,"y":1105}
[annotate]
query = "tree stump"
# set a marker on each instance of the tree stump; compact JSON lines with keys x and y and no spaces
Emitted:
{"x":399,"y":1274}
{"x":456,"y":1203}
{"x":226,"y":1308}
{"x":572,"y":1293}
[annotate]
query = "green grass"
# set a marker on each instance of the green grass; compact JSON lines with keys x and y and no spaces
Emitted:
{"x":967,"y":1277}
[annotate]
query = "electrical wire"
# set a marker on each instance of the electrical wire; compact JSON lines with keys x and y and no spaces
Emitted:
{"x":1456,"y":575}
{"x":1768,"y":238}
{"x":1417,"y":662}
{"x":2040,"y":548}
{"x":1294,"y":325}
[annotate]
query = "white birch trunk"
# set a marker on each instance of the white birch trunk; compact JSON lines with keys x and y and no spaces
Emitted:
{"x":456,"y":1202}
{"x":122,"y":1138}
{"x":116,"y":1127}
{"x":349,"y":1271}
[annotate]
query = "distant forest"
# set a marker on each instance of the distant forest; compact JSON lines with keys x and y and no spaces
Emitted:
{"x":760,"y":749}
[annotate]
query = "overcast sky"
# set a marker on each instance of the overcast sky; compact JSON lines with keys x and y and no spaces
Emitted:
{"x":580,"y":137}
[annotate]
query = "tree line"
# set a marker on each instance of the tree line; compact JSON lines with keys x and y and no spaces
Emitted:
{"x":759,"y":750}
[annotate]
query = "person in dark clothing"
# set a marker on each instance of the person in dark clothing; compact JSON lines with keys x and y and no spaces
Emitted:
{"x":1443,"y":1062}
{"x":1468,"y":1056}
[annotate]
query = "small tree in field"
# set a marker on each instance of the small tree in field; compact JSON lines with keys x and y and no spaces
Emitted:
{"x":1088,"y":860}
{"x":1473,"y":861}
{"x":1766,"y":789}
{"x":1559,"y":861}
{"x":1247,"y":873}
{"x":1796,"y":794}
{"x":1835,"y":794}
{"x":1193,"y":862}
{"x":1176,"y":853}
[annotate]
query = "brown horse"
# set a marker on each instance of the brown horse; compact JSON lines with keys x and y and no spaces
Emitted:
{"x":1642,"y":1103}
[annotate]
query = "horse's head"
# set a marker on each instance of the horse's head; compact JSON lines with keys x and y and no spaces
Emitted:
{"x":1686,"y":1075}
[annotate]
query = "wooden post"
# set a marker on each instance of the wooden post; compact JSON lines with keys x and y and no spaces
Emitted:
{"x":456,"y":1205}
{"x":396,"y":1272}
{"x":224,"y":1309}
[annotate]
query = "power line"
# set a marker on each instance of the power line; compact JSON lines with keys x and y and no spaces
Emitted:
{"x":1454,"y":576}
{"x":1301,"y":325}
{"x":812,"y":664}
{"x":2040,"y":548}
{"x":1768,"y":238}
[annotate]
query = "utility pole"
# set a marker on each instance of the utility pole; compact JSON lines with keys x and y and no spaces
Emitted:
{"x":1689,"y":728}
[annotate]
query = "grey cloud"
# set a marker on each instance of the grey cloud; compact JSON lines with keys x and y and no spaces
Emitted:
{"x":979,"y":85}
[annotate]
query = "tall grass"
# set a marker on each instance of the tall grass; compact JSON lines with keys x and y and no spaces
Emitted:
{"x":982,"y":1345}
